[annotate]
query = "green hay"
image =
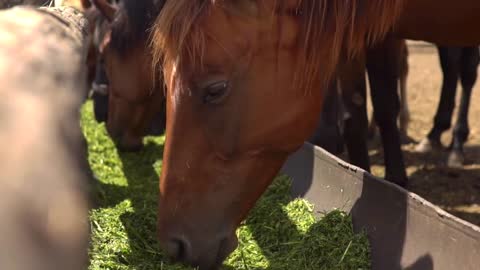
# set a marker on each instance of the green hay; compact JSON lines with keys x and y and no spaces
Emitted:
{"x":278,"y":234}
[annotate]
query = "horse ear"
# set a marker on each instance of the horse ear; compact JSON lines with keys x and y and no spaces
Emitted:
{"x":108,"y":10}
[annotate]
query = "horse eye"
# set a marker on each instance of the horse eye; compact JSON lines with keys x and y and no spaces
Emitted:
{"x":215,"y":93}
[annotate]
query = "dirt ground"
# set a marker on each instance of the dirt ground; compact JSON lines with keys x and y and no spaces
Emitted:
{"x":455,"y":190}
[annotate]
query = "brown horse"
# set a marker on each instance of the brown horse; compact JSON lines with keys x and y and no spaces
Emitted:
{"x":134,"y":99}
{"x":245,"y":84}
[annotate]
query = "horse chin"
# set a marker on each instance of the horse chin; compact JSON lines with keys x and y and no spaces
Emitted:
{"x":205,"y":253}
{"x":156,"y":129}
{"x":226,"y":247}
{"x":125,"y":141}
{"x":129,"y":148}
{"x":157,"y":125}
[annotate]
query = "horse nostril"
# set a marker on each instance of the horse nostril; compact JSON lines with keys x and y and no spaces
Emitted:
{"x":178,"y":249}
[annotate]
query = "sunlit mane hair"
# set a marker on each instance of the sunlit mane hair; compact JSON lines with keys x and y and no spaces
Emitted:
{"x":329,"y":29}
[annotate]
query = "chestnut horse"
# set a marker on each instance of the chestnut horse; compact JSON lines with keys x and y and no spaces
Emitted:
{"x":124,"y":65}
{"x":245,"y":84}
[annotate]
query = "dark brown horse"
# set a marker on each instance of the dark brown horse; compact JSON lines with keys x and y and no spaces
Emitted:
{"x":94,"y":18}
{"x":343,"y":118}
{"x":96,"y":77}
{"x":382,"y":62}
{"x":457,"y":63}
{"x":135,"y":100}
{"x":352,"y":80}
{"x":404,"y":115}
{"x":245,"y":84}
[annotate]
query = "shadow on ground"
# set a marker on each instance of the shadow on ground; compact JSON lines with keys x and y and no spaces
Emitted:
{"x":289,"y":240}
{"x":456,"y":190}
{"x":140,"y":170}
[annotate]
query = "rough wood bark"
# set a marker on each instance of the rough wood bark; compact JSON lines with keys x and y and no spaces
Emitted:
{"x":38,"y":3}
{"x":43,"y":170}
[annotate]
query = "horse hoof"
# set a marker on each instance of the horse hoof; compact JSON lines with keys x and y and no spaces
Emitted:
{"x":427,"y":145}
{"x":455,"y":159}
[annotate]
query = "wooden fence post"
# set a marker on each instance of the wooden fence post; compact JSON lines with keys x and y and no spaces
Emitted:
{"x":44,"y":174}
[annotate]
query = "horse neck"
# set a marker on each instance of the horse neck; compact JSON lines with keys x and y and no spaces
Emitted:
{"x":446,"y":22}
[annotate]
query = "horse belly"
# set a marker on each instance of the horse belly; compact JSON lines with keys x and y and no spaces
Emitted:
{"x":444,"y":22}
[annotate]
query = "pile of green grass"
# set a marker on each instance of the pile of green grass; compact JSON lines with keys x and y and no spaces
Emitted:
{"x":278,"y":234}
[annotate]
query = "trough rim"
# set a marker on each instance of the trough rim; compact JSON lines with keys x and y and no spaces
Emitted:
{"x":447,"y":219}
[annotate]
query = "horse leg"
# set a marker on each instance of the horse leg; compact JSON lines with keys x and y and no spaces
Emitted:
{"x":450,"y":64}
{"x":468,"y":75}
{"x":354,"y":91}
{"x":403,"y":74}
{"x":382,"y":64}
{"x":404,"y":119}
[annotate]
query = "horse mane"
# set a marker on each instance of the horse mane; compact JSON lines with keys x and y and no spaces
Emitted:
{"x":172,"y":28}
{"x":133,"y":22}
{"x":329,"y":29}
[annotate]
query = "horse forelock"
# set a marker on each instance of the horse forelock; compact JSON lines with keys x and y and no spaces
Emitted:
{"x":133,"y":22}
{"x":172,"y":28}
{"x":329,"y":29}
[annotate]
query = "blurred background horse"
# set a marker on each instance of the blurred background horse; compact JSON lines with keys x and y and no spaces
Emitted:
{"x":124,"y":92}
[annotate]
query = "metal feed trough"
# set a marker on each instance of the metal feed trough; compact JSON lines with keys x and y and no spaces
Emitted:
{"x":405,"y":231}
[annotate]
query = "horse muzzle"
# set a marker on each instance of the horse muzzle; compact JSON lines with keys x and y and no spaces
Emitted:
{"x":206,"y":254}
